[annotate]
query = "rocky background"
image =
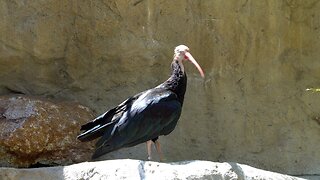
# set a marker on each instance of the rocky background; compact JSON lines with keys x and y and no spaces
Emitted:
{"x":258,"y":56}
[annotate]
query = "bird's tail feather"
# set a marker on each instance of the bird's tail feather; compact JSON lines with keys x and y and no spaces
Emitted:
{"x":96,"y":131}
{"x":106,"y":117}
{"x":103,"y":119}
{"x":106,"y":145}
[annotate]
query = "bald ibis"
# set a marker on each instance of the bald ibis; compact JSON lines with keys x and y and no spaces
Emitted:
{"x":144,"y":116}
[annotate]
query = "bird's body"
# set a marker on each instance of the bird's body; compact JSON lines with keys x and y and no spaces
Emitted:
{"x":140,"y":118}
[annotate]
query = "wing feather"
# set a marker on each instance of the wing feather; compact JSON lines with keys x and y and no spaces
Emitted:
{"x":105,"y":122}
{"x":149,"y":116}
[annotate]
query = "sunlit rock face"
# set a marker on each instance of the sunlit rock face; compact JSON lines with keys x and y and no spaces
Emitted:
{"x":258,"y":56}
{"x":38,"y":132}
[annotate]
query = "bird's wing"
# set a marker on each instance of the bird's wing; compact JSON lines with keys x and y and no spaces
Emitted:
{"x":105,"y":122}
{"x":148,"y":116}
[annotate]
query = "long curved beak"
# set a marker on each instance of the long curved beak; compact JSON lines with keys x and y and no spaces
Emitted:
{"x":189,"y":56}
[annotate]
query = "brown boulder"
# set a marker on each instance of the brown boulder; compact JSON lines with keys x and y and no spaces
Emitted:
{"x":38,"y":131}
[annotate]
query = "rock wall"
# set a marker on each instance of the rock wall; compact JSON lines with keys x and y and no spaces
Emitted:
{"x":259,"y":57}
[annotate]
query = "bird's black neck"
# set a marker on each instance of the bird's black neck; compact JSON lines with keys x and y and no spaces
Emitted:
{"x":177,"y":82}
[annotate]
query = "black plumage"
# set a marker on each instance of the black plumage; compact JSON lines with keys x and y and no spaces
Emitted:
{"x":142,"y":117}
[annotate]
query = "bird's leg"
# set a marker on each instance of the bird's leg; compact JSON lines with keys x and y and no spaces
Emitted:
{"x":158,"y":148}
{"x":149,"y":146}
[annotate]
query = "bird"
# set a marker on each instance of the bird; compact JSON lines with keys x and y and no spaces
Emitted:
{"x":144,"y":116}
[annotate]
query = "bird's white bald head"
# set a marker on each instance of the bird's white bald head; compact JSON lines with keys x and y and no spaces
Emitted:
{"x":181,"y":48}
{"x":181,"y":53}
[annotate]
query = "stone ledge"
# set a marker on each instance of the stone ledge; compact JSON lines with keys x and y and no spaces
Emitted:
{"x":136,"y":169}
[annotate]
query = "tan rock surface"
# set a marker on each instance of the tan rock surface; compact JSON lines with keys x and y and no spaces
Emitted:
{"x":259,"y":57}
{"x":37,"y":131}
